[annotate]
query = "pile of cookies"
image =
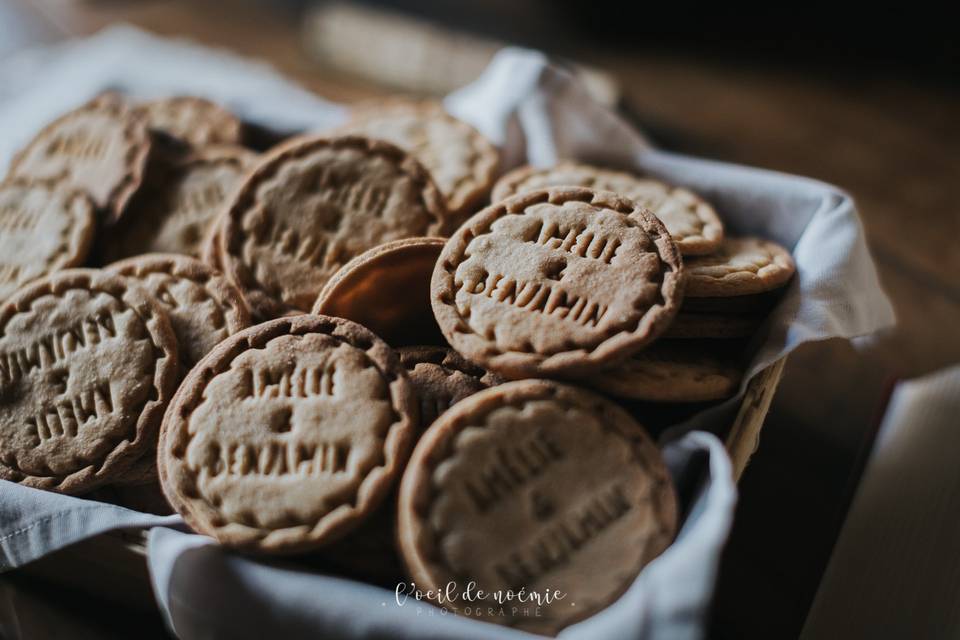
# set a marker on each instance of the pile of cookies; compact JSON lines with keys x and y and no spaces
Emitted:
{"x":364,"y":346}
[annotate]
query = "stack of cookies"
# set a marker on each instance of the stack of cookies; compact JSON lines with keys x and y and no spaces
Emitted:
{"x":362,"y":346}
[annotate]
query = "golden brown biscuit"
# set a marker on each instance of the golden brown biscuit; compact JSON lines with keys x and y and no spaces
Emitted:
{"x":191,"y":120}
{"x":311,"y":206}
{"x":462,"y":162}
{"x":674,"y":371}
{"x":88,"y":364}
{"x":742,"y":266}
{"x":203,"y":306}
{"x":99,"y":148}
{"x":556,"y":282}
{"x":180,"y":199}
{"x":691,"y":221}
{"x":287,"y":435}
{"x":442,"y":378}
{"x":539,"y":486}
{"x":43,"y":228}
{"x":387,"y":290}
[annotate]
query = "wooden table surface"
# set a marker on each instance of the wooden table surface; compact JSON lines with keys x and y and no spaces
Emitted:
{"x":891,"y":143}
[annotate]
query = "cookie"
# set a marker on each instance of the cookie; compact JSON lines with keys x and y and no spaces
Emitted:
{"x":288,"y":434}
{"x":177,"y":205}
{"x":203,"y":306}
{"x":740,"y":267}
{"x":191,"y":120}
{"x":43,"y":229}
{"x":714,"y":325}
{"x":539,"y":486}
{"x":87,"y":365}
{"x":442,"y":378}
{"x":556,"y":282}
{"x":691,"y":221}
{"x":674,"y":371}
{"x":387,"y":290}
{"x":462,"y":162}
{"x":314,"y":204}
{"x":99,"y":148}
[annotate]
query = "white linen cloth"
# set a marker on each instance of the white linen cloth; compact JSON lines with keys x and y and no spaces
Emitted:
{"x":537,"y":113}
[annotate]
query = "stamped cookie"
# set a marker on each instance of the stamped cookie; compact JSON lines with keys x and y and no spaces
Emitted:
{"x":691,"y":221}
{"x":556,"y":282}
{"x":43,"y":229}
{"x":203,"y":306}
{"x":441,"y":378}
{"x":539,"y":486}
{"x":387,"y":290}
{"x":314,"y":204}
{"x":178,"y":203}
{"x":87,"y":366}
{"x":99,"y":148}
{"x":195,"y":121}
{"x":288,"y":434}
{"x":462,"y":162}
{"x":674,"y":371}
{"x":742,"y":266}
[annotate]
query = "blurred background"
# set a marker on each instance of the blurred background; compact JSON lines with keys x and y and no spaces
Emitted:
{"x":871,"y":104}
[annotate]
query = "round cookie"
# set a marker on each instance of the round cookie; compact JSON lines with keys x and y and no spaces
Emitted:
{"x":178,"y":203}
{"x":387,"y":290}
{"x":87,"y":365}
{"x":442,"y":378}
{"x":203,"y":306}
{"x":288,"y":434}
{"x":540,"y":486}
{"x":42,"y":229}
{"x":462,"y":162}
{"x":691,"y":221}
{"x":556,"y":282}
{"x":312,"y":205}
{"x":195,"y":121}
{"x":671,"y":371}
{"x":99,"y":148}
{"x":741,"y":266}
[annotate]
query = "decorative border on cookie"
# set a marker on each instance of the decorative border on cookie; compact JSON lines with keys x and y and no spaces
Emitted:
{"x":135,"y":133}
{"x":263,"y":302}
{"x":745,"y":281}
{"x":82,"y":226}
{"x":485,"y":158}
{"x":215,"y":285}
{"x":418,"y":540}
{"x":711,"y":230}
{"x":125,"y":452}
{"x":614,"y":348}
{"x":179,"y":485}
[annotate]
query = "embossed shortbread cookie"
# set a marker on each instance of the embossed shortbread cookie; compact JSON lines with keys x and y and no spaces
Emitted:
{"x":441,"y":378}
{"x":311,"y":206}
{"x":539,"y":486}
{"x":691,"y":221}
{"x":87,"y":366}
{"x":192,"y":120}
{"x":99,"y":148}
{"x":674,"y":371}
{"x":288,"y":434}
{"x":203,"y":306}
{"x":387,"y":290}
{"x":43,"y":229}
{"x":560,"y":281}
{"x":462,"y":162}
{"x":742,"y":266}
{"x":178,"y":203}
